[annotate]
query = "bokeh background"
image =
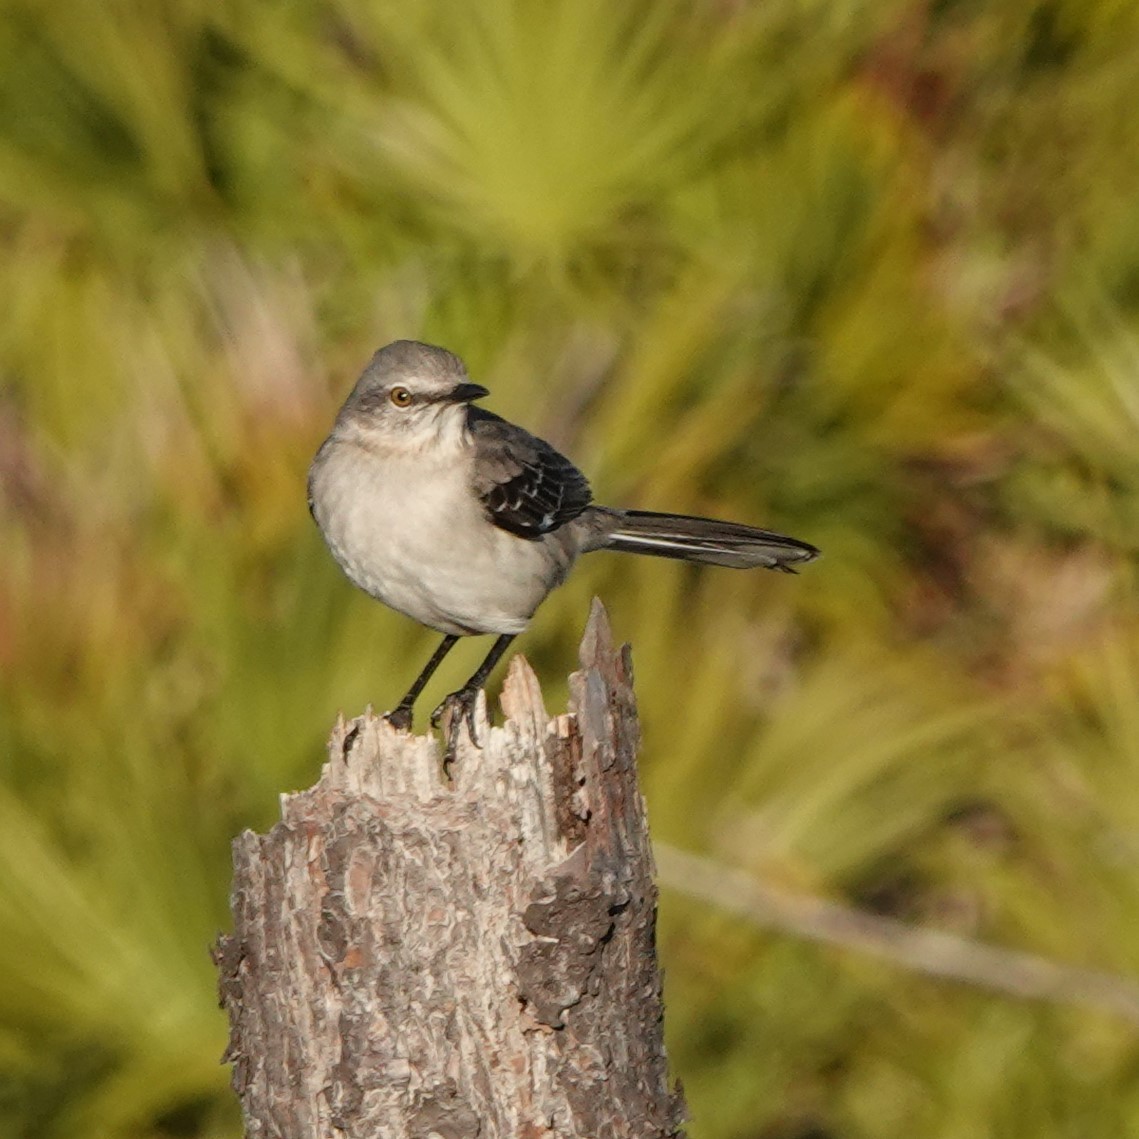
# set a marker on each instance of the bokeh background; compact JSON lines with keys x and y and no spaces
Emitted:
{"x":866,"y":271}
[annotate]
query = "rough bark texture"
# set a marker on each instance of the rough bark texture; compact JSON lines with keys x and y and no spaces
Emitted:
{"x":416,"y":958}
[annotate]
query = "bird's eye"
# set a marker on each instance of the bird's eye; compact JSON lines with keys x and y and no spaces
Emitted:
{"x":401,"y":397}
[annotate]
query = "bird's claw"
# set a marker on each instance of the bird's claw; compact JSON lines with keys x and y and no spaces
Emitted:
{"x":349,"y":740}
{"x":456,"y":709}
{"x":399,"y":718}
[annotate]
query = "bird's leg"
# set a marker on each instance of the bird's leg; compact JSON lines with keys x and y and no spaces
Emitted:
{"x":400,"y":716}
{"x":461,"y":705}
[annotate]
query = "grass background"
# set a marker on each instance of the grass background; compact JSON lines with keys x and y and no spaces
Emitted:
{"x":863,"y":270}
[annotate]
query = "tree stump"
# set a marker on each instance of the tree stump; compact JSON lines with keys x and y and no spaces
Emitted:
{"x":413,"y":958}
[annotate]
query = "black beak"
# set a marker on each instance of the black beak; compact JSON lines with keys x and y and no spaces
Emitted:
{"x":464,"y":393}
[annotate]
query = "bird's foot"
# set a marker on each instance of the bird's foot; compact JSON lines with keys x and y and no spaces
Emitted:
{"x":349,"y":740}
{"x":457,"y":708}
{"x":399,"y":718}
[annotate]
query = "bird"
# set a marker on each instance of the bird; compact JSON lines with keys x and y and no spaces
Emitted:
{"x":464,"y":522}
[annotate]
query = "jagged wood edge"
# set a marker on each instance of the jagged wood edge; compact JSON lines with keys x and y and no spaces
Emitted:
{"x":588,"y":974}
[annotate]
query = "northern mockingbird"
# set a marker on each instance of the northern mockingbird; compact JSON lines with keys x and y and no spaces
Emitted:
{"x":465,"y":522}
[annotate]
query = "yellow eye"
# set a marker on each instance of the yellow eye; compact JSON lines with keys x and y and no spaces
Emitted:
{"x":401,"y":397}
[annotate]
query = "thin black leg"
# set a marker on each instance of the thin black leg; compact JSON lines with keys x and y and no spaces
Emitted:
{"x":462,"y":704}
{"x":487,"y":667}
{"x":400,"y":716}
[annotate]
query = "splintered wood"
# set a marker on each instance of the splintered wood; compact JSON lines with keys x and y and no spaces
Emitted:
{"x":412,"y":958}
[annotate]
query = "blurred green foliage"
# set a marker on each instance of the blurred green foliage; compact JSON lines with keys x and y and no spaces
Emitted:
{"x":863,"y":270}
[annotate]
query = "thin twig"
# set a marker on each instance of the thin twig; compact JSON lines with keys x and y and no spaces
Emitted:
{"x":923,"y":950}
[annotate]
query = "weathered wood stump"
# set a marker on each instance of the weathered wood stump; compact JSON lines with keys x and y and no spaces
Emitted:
{"x":416,"y":958}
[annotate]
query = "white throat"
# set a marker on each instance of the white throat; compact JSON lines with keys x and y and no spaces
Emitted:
{"x":440,"y":432}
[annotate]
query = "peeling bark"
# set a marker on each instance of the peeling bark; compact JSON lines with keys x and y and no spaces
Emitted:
{"x":415,"y":958}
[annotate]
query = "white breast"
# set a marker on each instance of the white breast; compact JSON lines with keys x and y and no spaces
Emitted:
{"x":411,"y":533}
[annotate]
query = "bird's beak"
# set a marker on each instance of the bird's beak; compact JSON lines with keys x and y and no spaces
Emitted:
{"x":464,"y":393}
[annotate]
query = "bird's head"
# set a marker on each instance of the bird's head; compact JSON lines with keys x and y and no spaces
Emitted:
{"x":410,"y":396}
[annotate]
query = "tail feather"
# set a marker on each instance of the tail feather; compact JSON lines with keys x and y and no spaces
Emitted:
{"x":707,"y":540}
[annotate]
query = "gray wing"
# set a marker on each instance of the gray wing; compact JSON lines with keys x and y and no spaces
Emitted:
{"x":525,"y":486}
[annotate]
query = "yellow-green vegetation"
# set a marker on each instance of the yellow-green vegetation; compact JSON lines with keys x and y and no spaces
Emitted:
{"x":865,"y":271}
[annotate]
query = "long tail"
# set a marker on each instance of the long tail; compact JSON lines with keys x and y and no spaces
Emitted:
{"x":706,"y":540}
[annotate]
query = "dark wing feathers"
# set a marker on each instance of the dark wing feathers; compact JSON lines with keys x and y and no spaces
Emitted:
{"x":526,"y":487}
